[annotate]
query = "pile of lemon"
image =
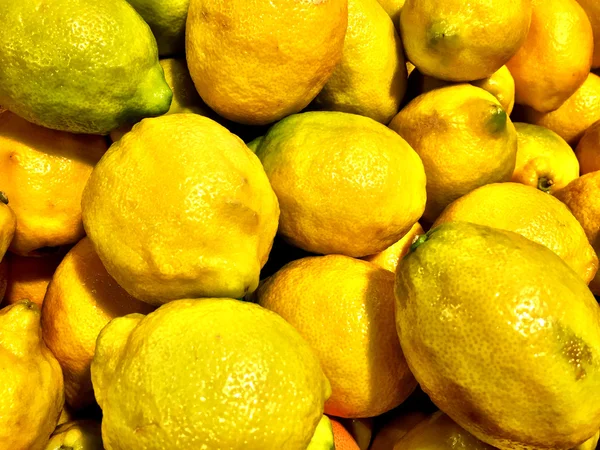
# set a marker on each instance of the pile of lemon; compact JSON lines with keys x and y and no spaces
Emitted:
{"x":299,"y":224}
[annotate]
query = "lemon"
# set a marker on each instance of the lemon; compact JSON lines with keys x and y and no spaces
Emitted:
{"x":31,"y":393}
{"x":80,"y":300}
{"x":167,"y":22}
{"x":580,"y":197}
{"x":588,"y":149}
{"x":43,"y":173}
{"x":463,"y":42}
{"x":195,"y":218}
{"x":579,"y":112}
{"x":77,"y":435}
{"x":358,"y":349}
{"x":508,"y":336}
{"x":85,"y":66}
{"x":210,"y":373}
{"x":555,"y":58}
{"x":440,"y":432}
{"x":544,"y":159}
{"x":328,"y":169}
{"x":8,"y":224}
{"x":255,"y":62}
{"x":464,"y":138}
{"x":185,"y":97}
{"x":531,"y":213}
{"x":371,"y":78}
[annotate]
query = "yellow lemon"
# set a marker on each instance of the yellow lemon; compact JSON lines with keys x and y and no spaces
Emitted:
{"x":463,"y":42}
{"x":81,"y":299}
{"x":358,"y":349}
{"x":556,"y":57}
{"x":43,"y":173}
{"x":255,"y":62}
{"x":464,"y":138}
{"x":31,"y":392}
{"x":575,"y":115}
{"x":328,"y":168}
{"x":508,"y":336}
{"x":209,"y":373}
{"x":370,"y":80}
{"x":544,"y":159}
{"x":196,"y":218}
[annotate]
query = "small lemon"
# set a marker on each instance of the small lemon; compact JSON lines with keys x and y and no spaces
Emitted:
{"x":544,"y":159}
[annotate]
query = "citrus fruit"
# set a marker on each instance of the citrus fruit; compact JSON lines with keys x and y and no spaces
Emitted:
{"x":343,"y":439}
{"x":76,"y":435}
{"x":84,"y":66}
{"x":507,"y":337}
{"x":359,"y":349}
{"x":8,"y":224}
{"x":544,"y":159}
{"x":370,"y":80}
{"x":439,"y":432}
{"x":212,"y":210}
{"x":556,"y":57}
{"x":328,"y":169}
{"x":81,"y":299}
{"x":43,"y":173}
{"x":575,"y":115}
{"x":464,"y":138}
{"x":389,"y":258}
{"x":256,"y":62}
{"x":209,"y":373}
{"x":455,"y":42}
{"x":31,"y":392}
{"x":588,"y":149}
